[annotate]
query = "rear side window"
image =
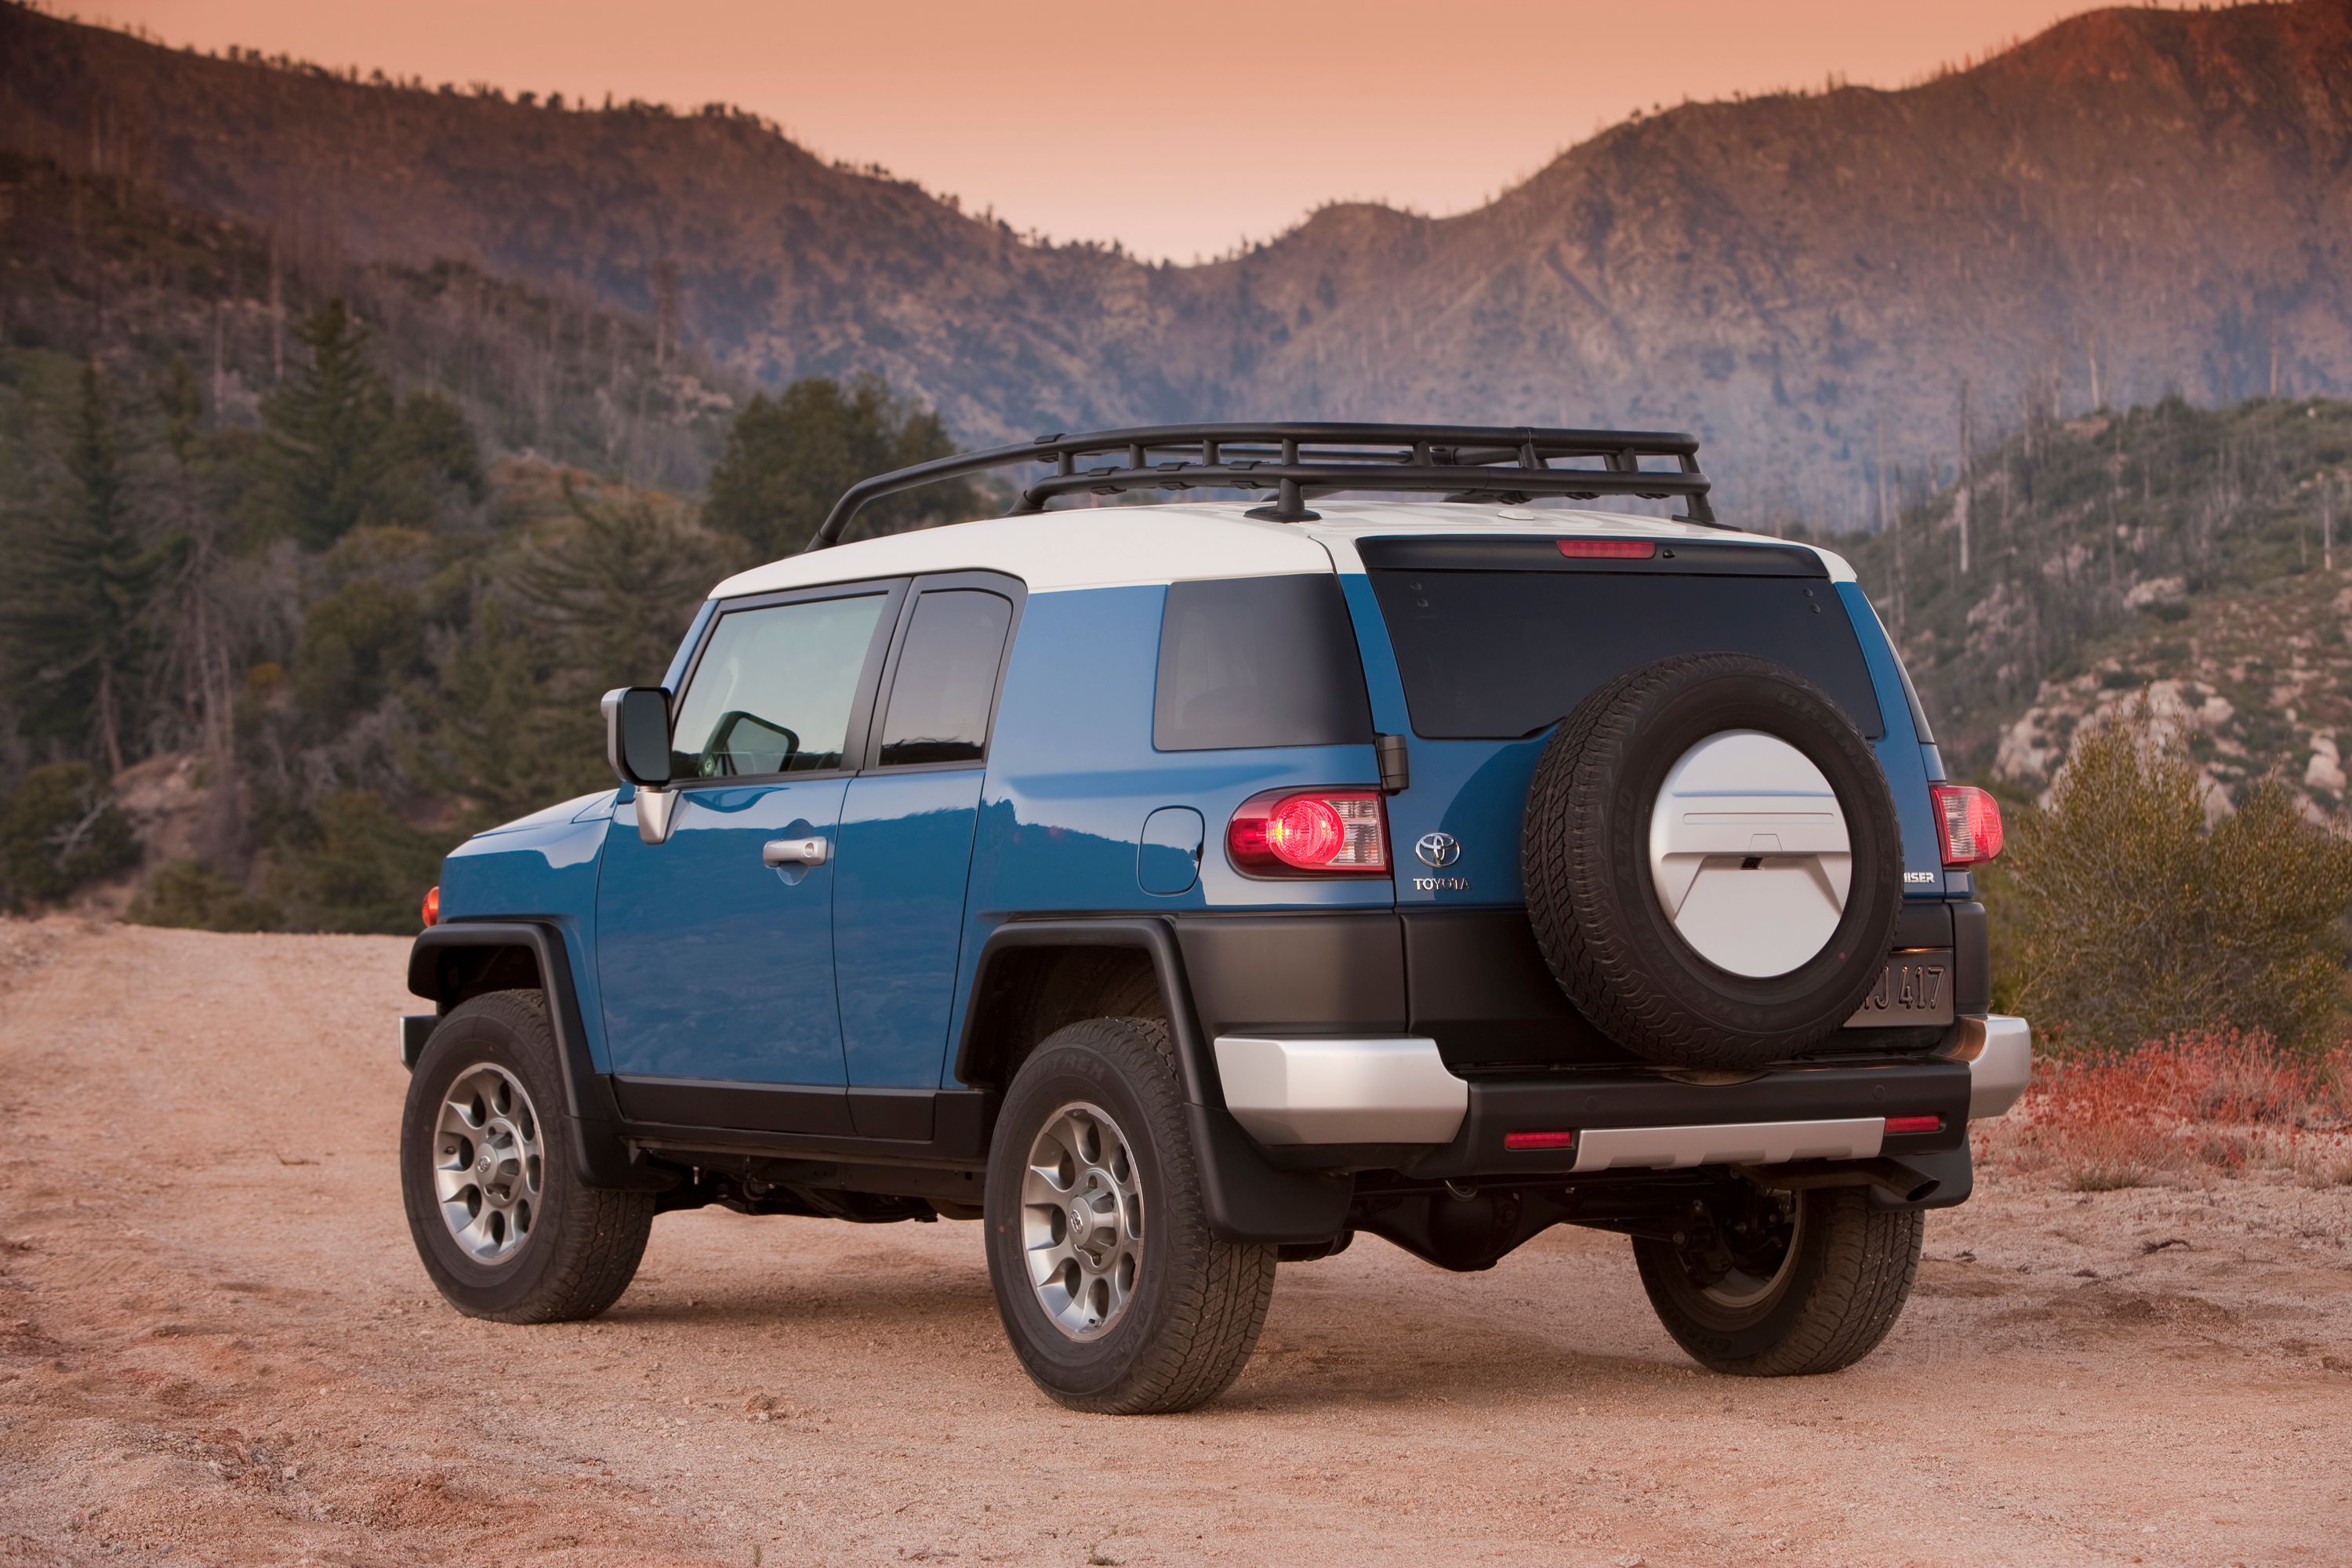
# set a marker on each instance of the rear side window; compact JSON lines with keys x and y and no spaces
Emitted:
{"x":1259,"y":661}
{"x":946,"y":683}
{"x":1496,"y":655}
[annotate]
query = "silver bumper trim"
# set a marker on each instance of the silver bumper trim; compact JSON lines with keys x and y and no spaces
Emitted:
{"x":1999,"y":1065}
{"x":1727,"y":1143}
{"x":1340,"y":1090}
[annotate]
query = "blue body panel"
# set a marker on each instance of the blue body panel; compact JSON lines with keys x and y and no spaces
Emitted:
{"x":903,"y":858}
{"x":1910,"y":764}
{"x":544,"y":865}
{"x":1073,"y":779}
{"x":714,"y":965}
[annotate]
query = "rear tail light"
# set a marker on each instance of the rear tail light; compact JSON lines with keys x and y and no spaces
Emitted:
{"x":1967,"y":820}
{"x":1607,"y":549}
{"x":1915,"y":1124}
{"x":1539,"y":1140}
{"x":432,"y":911}
{"x":1310,"y":833}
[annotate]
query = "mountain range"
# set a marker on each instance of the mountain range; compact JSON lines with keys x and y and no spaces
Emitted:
{"x":2134,"y":202}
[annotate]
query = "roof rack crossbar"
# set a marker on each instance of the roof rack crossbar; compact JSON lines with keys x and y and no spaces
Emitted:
{"x":1298,"y":461}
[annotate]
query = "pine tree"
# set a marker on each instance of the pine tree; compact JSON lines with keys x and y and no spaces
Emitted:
{"x":78,"y":610}
{"x":789,"y":457}
{"x":327,"y":427}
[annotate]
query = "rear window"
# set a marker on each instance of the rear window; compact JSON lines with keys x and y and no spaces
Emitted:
{"x":1258,"y":661}
{"x":1498,"y":639}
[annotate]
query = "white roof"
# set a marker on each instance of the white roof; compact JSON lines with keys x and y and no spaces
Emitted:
{"x":1107,"y":547}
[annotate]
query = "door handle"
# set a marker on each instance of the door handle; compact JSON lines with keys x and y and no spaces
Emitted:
{"x":809,"y":851}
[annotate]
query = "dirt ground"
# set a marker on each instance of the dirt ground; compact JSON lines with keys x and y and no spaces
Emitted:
{"x":216,"y":1346}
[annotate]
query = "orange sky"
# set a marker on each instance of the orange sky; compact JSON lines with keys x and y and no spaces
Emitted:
{"x":1176,"y":129}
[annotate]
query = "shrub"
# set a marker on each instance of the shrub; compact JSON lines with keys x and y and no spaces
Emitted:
{"x":2133,"y":921}
{"x":358,"y":868}
{"x":2219,"y":1101}
{"x":59,"y":829}
{"x":184,"y":893}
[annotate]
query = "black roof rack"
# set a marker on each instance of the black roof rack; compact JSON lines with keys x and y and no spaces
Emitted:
{"x":1297,"y":462}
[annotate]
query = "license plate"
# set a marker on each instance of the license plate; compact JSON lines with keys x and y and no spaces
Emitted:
{"x":1914,"y":988}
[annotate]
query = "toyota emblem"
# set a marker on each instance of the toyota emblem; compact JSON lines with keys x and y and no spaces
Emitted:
{"x":1437,"y":850}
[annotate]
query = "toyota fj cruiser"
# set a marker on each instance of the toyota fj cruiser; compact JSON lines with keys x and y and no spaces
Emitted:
{"x":1178,"y":890}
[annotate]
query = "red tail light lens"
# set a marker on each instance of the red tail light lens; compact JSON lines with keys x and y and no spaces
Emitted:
{"x":1607,"y":549}
{"x":1915,"y":1124}
{"x":433,"y":906}
{"x":1968,"y":822}
{"x":1539,"y":1140}
{"x":1310,"y":833}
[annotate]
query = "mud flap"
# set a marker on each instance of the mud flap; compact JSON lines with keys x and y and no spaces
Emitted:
{"x":1247,"y":1199}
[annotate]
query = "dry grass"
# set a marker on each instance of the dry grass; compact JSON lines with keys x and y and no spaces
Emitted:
{"x":2220,"y":1102}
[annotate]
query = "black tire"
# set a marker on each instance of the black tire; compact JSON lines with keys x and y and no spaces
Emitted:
{"x":583,"y":1244}
{"x":1197,"y":1302}
{"x":1585,"y":863}
{"x":1839,"y":1289}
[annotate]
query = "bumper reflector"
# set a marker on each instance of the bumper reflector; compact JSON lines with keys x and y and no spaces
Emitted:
{"x":1539,"y":1140}
{"x":1915,"y":1124}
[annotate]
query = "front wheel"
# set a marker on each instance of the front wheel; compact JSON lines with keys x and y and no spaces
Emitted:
{"x":1117,"y":1296}
{"x":502,"y":1224}
{"x":1764,"y":1284}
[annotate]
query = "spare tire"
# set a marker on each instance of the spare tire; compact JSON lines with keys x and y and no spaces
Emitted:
{"x":1711,"y":861}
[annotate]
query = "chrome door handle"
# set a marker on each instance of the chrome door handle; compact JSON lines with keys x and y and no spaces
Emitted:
{"x":810,"y":851}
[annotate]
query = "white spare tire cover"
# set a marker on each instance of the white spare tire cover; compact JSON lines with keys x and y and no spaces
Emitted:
{"x":1749,"y":853}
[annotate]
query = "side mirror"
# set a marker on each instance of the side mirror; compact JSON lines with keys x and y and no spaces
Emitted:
{"x":636,"y":734}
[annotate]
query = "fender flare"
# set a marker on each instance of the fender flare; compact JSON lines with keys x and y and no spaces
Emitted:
{"x":591,"y":1120}
{"x":1246,"y":1197}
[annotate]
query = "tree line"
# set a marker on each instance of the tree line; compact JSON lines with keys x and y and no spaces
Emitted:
{"x":354,"y":631}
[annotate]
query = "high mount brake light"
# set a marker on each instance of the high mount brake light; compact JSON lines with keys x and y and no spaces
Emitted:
{"x":1310,"y":833}
{"x":432,"y":911}
{"x":1968,"y":821}
{"x":1607,"y":549}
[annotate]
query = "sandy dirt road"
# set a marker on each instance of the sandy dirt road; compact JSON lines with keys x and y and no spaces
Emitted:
{"x":216,"y":1346}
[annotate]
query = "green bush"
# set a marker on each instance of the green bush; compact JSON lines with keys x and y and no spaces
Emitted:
{"x":59,"y":829}
{"x":358,"y":868}
{"x":186,"y":894}
{"x":2131,"y":920}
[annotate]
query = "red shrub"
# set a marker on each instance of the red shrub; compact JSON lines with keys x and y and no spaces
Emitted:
{"x":2217,"y":1100}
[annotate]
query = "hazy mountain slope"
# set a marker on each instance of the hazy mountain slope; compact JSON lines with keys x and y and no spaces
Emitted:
{"x":2207,"y":554}
{"x":92,"y":265}
{"x":2165,"y":195}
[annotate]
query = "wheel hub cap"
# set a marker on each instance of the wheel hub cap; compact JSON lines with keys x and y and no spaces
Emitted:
{"x":1082,"y":1220}
{"x":1749,"y":853}
{"x":486,"y":1169}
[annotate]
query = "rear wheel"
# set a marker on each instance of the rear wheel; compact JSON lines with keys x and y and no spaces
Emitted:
{"x":502,"y":1223}
{"x":1782,"y":1284}
{"x":1115,"y":1293}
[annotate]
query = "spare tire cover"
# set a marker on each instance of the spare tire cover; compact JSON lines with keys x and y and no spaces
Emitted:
{"x":1711,"y":861}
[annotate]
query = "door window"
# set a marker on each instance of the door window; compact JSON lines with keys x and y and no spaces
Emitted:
{"x":940,"y":700}
{"x":774,"y":689}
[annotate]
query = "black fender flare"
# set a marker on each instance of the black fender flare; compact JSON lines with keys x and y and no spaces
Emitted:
{"x":1246,"y":1197}
{"x":591,"y":1118}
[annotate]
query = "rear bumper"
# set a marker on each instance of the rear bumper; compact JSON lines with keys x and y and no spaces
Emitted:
{"x":1391,"y":1101}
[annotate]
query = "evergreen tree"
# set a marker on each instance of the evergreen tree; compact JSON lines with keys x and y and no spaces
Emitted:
{"x":789,"y":457}
{"x":77,"y":609}
{"x":327,"y":449}
{"x":600,"y":604}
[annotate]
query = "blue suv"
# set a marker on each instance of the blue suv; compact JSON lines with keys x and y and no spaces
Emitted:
{"x":1180,"y":890}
